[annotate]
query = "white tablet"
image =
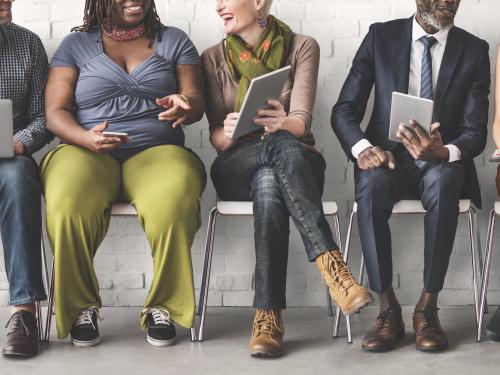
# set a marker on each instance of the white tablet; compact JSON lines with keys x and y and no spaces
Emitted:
{"x":407,"y":107}
{"x":262,"y":88}
{"x":6,"y":129}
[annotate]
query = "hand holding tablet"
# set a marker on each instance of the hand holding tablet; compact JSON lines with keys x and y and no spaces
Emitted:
{"x":262,"y":89}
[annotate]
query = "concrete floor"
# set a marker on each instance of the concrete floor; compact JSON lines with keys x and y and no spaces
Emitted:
{"x":309,"y":348}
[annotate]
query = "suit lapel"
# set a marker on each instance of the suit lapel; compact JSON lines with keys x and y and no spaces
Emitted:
{"x":402,"y":56}
{"x":452,"y":53}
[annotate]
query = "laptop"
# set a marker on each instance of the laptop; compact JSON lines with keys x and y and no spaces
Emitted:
{"x":6,"y":129}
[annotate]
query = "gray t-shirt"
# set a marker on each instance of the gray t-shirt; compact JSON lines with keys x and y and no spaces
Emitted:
{"x":105,"y":91}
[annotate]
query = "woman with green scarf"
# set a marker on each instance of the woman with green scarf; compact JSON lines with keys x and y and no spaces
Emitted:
{"x":278,"y":167}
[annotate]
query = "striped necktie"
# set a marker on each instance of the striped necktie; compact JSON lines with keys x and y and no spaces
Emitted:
{"x":426,"y":78}
{"x":426,"y":72}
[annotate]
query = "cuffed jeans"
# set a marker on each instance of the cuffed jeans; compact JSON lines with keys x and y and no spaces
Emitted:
{"x":20,"y":225}
{"x":283,"y":178}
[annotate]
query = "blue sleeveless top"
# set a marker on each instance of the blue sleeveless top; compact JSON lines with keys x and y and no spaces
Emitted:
{"x":105,"y":91}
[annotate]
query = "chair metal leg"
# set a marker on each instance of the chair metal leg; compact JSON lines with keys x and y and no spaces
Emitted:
{"x":329,"y":302}
{"x":362,"y":270}
{"x":472,"y":236}
{"x":479,"y":254}
{"x":485,"y":274}
{"x":50,"y":307}
{"x":39,"y":320}
{"x":41,"y":326}
{"x":336,"y":323}
{"x":207,"y":265}
{"x":339,"y":243}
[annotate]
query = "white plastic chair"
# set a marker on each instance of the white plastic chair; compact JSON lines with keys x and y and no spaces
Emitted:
{"x":486,"y":269}
{"x":235,"y":208}
{"x":117,"y":209}
{"x":415,"y":207}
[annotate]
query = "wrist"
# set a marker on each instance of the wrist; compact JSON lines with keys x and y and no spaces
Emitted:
{"x":444,"y":154}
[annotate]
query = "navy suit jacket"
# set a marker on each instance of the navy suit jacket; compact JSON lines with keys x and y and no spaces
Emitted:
{"x":460,"y":99}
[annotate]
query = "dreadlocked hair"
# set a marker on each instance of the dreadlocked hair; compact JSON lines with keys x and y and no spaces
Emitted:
{"x":97,"y":13}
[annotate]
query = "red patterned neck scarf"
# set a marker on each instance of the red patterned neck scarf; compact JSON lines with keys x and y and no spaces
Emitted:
{"x":124,"y":35}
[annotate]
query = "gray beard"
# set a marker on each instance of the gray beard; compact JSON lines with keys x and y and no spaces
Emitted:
{"x":433,"y":22}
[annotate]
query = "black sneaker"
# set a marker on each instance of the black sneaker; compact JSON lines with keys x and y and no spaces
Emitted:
{"x":161,"y":329}
{"x":85,"y":332}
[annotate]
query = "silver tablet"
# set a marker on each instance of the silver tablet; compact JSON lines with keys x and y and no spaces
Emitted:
{"x":405,"y":108}
{"x":6,"y":129}
{"x":262,"y":88}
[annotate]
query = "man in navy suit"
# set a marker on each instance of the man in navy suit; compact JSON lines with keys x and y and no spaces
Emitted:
{"x":425,"y":56}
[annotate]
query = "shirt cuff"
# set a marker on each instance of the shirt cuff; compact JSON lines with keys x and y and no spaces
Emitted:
{"x":360,"y":146}
{"x":455,"y":154}
{"x":26,"y":140}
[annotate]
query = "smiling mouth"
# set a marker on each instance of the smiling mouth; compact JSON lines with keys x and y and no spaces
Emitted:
{"x":449,"y":12}
{"x":226,"y":18}
{"x":134,"y":9}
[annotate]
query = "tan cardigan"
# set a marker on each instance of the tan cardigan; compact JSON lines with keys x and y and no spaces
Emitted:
{"x":298,"y":95}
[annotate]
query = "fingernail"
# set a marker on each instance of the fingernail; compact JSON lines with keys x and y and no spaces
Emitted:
{"x":412,"y":122}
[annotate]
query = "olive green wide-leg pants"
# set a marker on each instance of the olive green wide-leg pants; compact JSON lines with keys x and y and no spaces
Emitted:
{"x":164,"y":183}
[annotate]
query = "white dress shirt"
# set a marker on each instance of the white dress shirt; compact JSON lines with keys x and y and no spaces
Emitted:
{"x":417,"y":52}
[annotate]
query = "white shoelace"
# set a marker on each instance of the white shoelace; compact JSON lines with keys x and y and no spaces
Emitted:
{"x":85,"y":317}
{"x":160,"y":316}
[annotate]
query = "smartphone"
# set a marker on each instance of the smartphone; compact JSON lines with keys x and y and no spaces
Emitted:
{"x":114,"y":134}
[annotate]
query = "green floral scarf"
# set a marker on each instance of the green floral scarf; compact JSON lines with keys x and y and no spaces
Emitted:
{"x":270,"y":54}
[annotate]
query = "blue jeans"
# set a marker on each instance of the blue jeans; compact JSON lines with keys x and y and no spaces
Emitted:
{"x":283,"y":178}
{"x":20,"y":225}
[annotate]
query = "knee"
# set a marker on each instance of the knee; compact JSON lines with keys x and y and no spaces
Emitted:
{"x":19,"y":178}
{"x":443,"y":184}
{"x":373,"y":187}
{"x":265,"y":184}
{"x":181,"y":208}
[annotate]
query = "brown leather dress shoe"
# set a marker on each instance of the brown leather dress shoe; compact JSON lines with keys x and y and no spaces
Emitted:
{"x":267,"y":334}
{"x":344,"y":289}
{"x":22,"y":335}
{"x":429,"y":335}
{"x":389,"y":328}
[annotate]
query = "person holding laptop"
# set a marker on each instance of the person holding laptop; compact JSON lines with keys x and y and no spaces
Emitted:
{"x":424,"y":56}
{"x":123,"y":71}
{"x":23,"y":73}
{"x":277,"y":167}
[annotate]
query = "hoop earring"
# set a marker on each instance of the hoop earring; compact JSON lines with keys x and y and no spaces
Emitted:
{"x":262,"y":21}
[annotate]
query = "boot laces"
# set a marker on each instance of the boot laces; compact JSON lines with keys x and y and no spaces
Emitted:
{"x":160,"y":316}
{"x":338,"y":273}
{"x":85,"y":317}
{"x":430,"y":314}
{"x":18,"y":325}
{"x":383,"y":318}
{"x":267,"y":322}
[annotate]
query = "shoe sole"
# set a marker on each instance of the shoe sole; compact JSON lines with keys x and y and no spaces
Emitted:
{"x":161,"y":343}
{"x":432,"y":349}
{"x":265,"y":355}
{"x":13,"y":354}
{"x":399,"y":337}
{"x":360,"y":305}
{"x":86,"y":344}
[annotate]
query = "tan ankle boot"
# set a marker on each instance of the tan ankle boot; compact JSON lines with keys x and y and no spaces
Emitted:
{"x":344,"y":289}
{"x":267,"y":334}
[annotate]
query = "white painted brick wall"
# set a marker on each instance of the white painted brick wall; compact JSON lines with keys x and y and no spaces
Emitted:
{"x":123,"y":263}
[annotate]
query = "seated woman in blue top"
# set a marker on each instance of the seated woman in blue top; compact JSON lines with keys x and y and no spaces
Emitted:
{"x":123,"y":71}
